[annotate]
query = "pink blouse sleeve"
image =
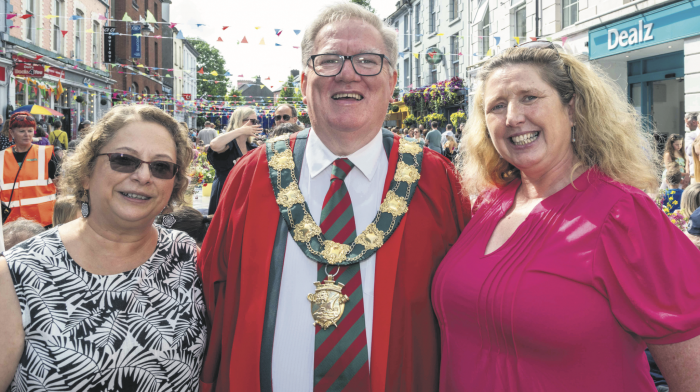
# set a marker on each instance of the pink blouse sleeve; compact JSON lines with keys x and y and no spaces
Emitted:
{"x":649,"y":271}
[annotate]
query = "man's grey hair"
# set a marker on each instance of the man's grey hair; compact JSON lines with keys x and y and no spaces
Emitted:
{"x":20,"y":230}
{"x":294,"y":110}
{"x":691,"y":116}
{"x":284,"y":129}
{"x":344,"y":11}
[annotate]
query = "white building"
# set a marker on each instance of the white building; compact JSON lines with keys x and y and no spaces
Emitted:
{"x":189,"y":82}
{"x":651,"y":48}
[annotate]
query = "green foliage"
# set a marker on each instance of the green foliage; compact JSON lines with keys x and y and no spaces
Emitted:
{"x":410,"y":121}
{"x":364,"y":4}
{"x":211,"y":60}
{"x":234,"y":95}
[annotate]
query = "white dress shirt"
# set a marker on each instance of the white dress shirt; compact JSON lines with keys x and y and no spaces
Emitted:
{"x":689,"y":139}
{"x":293,"y":347}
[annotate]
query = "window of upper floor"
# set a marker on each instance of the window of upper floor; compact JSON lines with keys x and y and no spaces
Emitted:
{"x":569,"y":10}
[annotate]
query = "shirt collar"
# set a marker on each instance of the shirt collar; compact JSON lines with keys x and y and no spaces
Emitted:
{"x":320,"y":157}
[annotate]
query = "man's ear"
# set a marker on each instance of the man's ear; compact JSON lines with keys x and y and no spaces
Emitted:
{"x":304,"y":80}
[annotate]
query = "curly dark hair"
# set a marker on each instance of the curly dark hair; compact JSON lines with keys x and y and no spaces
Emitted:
{"x":81,"y":164}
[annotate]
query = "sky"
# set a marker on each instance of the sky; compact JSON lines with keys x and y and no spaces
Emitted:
{"x":243,"y":17}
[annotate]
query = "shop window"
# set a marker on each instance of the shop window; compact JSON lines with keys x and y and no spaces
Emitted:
{"x":57,"y":27}
{"x":570,"y":12}
{"x":79,"y":31}
{"x":454,"y":9}
{"x":21,"y":94}
{"x":454,"y":54}
{"x":32,"y":93}
{"x":416,"y":16}
{"x":520,"y":23}
{"x":433,"y":17}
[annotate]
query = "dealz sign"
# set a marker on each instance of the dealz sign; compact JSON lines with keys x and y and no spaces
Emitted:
{"x":635,"y":35}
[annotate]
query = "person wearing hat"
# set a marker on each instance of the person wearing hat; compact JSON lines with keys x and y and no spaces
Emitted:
{"x":27,"y":173}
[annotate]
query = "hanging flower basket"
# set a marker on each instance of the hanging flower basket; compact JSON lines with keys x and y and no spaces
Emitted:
{"x":79,"y":99}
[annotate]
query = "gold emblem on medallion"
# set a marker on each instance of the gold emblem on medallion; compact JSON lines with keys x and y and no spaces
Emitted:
{"x":334,"y":252}
{"x":394,"y":204}
{"x":371,"y":238}
{"x":327,"y":303}
{"x":306,"y":229}
{"x":406,"y":173}
{"x":281,"y":161}
{"x":290,"y":195}
{"x":406,"y":147}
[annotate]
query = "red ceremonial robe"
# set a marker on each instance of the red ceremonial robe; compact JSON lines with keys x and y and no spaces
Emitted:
{"x":235,"y":266}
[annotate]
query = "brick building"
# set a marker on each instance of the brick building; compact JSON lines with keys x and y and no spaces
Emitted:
{"x":133,"y":78}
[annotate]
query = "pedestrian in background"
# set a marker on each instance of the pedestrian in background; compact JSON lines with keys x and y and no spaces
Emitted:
{"x":58,"y":134}
{"x":691,"y":134}
{"x":5,"y":135}
{"x":136,"y":283}
{"x":40,"y":138}
{"x":20,"y":230}
{"x":434,"y":137}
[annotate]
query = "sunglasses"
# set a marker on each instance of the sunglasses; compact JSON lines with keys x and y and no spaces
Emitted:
{"x":546,"y":45}
{"x":124,"y":163}
{"x":286,"y":117}
{"x":251,"y":120}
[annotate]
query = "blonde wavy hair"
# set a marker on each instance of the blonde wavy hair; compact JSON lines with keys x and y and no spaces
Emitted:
{"x":237,"y":120}
{"x":80,"y":165}
{"x":690,"y":200}
{"x":609,"y":131}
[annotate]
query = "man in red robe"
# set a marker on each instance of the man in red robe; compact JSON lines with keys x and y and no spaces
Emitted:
{"x":276,"y":232}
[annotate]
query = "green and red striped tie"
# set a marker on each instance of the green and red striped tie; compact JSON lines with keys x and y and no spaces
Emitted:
{"x":341,"y":358}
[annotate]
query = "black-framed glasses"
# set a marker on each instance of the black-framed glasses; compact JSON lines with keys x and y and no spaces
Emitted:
{"x":364,"y":64}
{"x":547,"y":45}
{"x":286,"y":117}
{"x":125,"y":163}
{"x":253,"y":121}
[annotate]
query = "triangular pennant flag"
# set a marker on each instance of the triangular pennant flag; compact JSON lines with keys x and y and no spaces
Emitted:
{"x":295,"y":47}
{"x":168,"y":76}
{"x":101,"y":17}
{"x":549,"y":39}
{"x":219,"y":40}
{"x":460,"y":53}
{"x":498,"y":40}
{"x":533,"y":38}
{"x":126,"y":18}
{"x":225,"y":27}
{"x":431,"y":54}
{"x":26,"y":16}
{"x":51,"y":16}
{"x":517,"y":40}
{"x":201,"y":71}
{"x":139,"y":66}
{"x":489,"y":52}
{"x":200,"y":24}
{"x":173,"y":25}
{"x":38,"y":57}
{"x":441,"y":34}
{"x":267,"y":78}
{"x":89,"y":31}
{"x":180,"y":35}
{"x":262,"y":41}
{"x":240,"y":76}
{"x":278,"y":32}
{"x":150,"y":18}
{"x":563,"y":40}
{"x":401,"y":54}
{"x":10,"y":16}
{"x":244,"y":41}
{"x":297,"y":32}
{"x":276,"y":44}
{"x":214,"y":73}
{"x":227,"y":74}
{"x":257,"y":28}
{"x":262,"y":86}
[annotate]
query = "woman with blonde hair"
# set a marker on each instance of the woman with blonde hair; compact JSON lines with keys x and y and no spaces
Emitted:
{"x":565,"y":257}
{"x":449,"y":148}
{"x":226,"y":149}
{"x":695,"y":150}
{"x":690,"y":201}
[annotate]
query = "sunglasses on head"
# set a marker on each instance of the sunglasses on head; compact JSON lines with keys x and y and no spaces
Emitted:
{"x":251,"y":120}
{"x":124,"y":163}
{"x":286,"y":117}
{"x":546,"y":45}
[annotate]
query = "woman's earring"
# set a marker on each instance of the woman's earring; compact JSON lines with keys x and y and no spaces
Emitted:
{"x":85,"y":206}
{"x":169,"y":221}
{"x":573,"y":134}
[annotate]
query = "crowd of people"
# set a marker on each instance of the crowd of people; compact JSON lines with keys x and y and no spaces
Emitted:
{"x":519,"y":252}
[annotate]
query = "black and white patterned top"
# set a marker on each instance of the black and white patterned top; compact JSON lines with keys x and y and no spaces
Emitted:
{"x":141,"y":330}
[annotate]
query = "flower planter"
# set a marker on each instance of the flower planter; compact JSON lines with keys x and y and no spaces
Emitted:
{"x":206,"y":189}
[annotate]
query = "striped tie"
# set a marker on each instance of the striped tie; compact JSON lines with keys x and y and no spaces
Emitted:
{"x":341,"y":360}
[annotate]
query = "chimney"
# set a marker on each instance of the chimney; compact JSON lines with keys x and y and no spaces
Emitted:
{"x":295,"y":72}
{"x":257,"y":80}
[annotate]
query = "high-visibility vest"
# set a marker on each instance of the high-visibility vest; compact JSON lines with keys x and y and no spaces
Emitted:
{"x":35,"y":193}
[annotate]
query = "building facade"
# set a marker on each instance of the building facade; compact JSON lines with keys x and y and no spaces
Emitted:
{"x":52,"y":41}
{"x":188,"y":82}
{"x":133,"y":81}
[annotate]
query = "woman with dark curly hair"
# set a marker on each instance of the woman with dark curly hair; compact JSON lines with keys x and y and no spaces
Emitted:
{"x":109,"y":299}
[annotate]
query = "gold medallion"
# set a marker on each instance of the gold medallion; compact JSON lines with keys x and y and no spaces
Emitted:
{"x":406,"y":147}
{"x":406,"y":173}
{"x":290,"y":195}
{"x":327,"y":303}
{"x":305,"y":230}
{"x":334,"y":252}
{"x":281,"y":161}
{"x":371,"y":238}
{"x":394,"y":204}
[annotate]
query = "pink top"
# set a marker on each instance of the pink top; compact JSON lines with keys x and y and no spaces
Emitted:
{"x":570,"y":301}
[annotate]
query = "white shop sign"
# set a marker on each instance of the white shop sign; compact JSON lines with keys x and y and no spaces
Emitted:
{"x":635,"y":35}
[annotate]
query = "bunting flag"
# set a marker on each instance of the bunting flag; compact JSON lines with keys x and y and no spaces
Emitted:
{"x":489,"y":52}
{"x":38,"y":57}
{"x":240,"y":76}
{"x":517,"y":40}
{"x":563,"y":40}
{"x":498,"y":40}
{"x":460,"y":53}
{"x":214,"y":73}
{"x":180,"y":35}
{"x":225,"y":27}
{"x":438,"y":34}
{"x":295,"y":47}
{"x":201,"y":71}
{"x":89,"y":31}
{"x":262,"y":86}
{"x":262,"y":41}
{"x":126,"y":18}
{"x":257,"y":28}
{"x":278,"y":32}
{"x":431,"y":54}
{"x":549,"y":39}
{"x":51,"y":16}
{"x":244,"y":41}
{"x":533,"y":38}
{"x":267,"y":78}
{"x":26,"y":16}
{"x":101,"y":17}
{"x":150,"y":18}
{"x":10,"y":16}
{"x":276,"y":44}
{"x":401,"y":54}
{"x":219,"y":40}
{"x":415,"y":55}
{"x":297,"y":32}
{"x":173,"y":25}
{"x":227,"y":74}
{"x":200,"y":24}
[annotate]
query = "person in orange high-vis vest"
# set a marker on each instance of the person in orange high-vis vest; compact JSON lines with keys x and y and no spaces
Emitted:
{"x":27,"y":173}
